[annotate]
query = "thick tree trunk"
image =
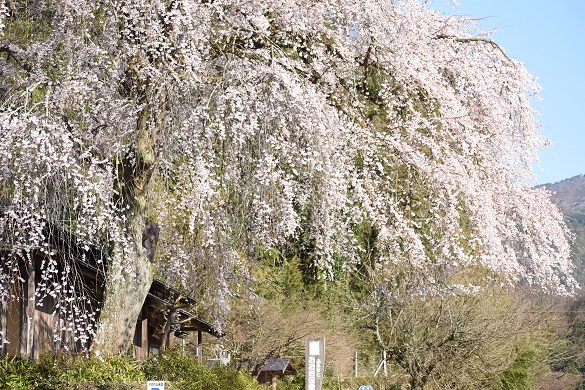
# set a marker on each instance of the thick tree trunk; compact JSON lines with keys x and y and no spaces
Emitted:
{"x":130,"y":273}
{"x":125,"y":292}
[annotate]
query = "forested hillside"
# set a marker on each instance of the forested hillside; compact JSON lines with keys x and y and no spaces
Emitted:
{"x":569,"y":194}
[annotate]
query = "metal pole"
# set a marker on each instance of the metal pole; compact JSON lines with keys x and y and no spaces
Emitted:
{"x":382,"y":364}
{"x":385,"y":370}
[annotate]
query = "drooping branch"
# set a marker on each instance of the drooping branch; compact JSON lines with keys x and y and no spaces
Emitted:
{"x":171,"y":316}
{"x":15,"y":53}
{"x":475,"y":40}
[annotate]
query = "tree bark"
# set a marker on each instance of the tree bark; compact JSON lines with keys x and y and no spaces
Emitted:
{"x":167,"y":327}
{"x":130,"y":273}
{"x":124,"y":294}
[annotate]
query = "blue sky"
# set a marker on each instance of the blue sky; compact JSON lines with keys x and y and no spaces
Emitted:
{"x":549,"y":38}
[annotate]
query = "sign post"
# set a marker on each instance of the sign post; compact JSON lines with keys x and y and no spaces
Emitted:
{"x":314,"y":362}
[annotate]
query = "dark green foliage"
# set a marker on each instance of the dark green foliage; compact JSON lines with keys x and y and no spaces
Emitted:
{"x":14,"y":373}
{"x":521,"y":374}
{"x":56,"y":372}
{"x":185,"y":372}
{"x":279,"y":276}
{"x":65,"y":372}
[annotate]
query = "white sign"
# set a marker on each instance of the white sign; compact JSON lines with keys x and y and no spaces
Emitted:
{"x":155,"y":385}
{"x":314,"y":362}
{"x":314,"y":347}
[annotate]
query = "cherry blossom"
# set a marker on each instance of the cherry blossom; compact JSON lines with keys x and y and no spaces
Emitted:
{"x":241,"y":126}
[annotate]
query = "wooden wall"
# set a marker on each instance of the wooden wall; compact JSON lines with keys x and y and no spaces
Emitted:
{"x":31,"y":326}
{"x":12,"y":328}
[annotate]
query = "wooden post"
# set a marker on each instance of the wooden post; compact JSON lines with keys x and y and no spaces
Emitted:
{"x":141,"y":338}
{"x":27,"y":315}
{"x":199,"y":346}
{"x":144,"y":335}
{"x":30,"y":313}
{"x":274,"y":382}
{"x":22,"y":325}
{"x":3,"y":326}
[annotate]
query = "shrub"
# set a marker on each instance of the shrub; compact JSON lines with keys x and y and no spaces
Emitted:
{"x":13,"y":373}
{"x":185,"y":372}
{"x":521,"y":374}
{"x":59,"y":371}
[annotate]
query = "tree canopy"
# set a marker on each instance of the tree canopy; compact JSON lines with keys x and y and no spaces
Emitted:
{"x":344,"y":132}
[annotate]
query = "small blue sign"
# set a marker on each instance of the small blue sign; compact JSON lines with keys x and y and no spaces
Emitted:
{"x":365,"y":387}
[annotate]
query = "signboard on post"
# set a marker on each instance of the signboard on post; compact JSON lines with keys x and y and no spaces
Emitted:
{"x":155,"y":385}
{"x":314,"y":362}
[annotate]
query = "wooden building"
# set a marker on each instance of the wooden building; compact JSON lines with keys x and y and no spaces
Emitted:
{"x":272,"y":369}
{"x":31,"y":325}
{"x":148,"y":335}
{"x":267,"y":371}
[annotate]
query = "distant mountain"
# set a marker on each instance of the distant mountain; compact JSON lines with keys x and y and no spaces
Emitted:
{"x":570,"y":197}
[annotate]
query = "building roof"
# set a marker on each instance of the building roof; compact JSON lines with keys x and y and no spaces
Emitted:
{"x":279,"y":365}
{"x":161,"y":292}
